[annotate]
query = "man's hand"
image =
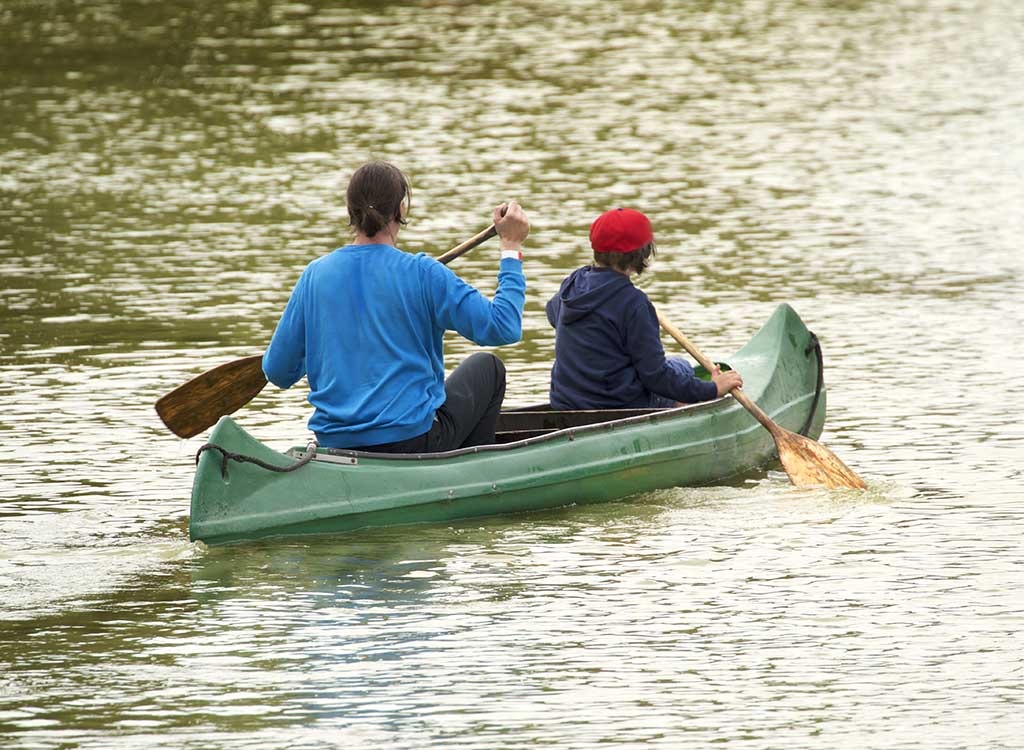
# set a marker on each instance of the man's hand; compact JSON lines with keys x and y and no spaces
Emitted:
{"x":512,"y":225}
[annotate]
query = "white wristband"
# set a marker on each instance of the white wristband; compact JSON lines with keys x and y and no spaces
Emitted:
{"x":513,"y":254}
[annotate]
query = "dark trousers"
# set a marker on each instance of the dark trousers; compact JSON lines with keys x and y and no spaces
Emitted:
{"x":473,"y":395}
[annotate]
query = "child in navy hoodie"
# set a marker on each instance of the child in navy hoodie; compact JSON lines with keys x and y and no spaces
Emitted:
{"x":608,"y":352}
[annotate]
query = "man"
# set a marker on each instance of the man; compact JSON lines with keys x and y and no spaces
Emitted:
{"x":365,"y":325}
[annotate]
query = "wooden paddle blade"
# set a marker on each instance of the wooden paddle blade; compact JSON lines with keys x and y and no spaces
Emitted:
{"x":810,"y":464}
{"x":198,"y":404}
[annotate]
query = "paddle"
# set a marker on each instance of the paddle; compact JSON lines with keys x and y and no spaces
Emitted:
{"x":198,"y":404}
{"x":807,"y":462}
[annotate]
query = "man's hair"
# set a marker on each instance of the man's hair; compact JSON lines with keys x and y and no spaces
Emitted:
{"x":374,"y":197}
{"x":639,"y":260}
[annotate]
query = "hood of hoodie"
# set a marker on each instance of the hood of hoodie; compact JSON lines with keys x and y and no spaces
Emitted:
{"x":588,"y":289}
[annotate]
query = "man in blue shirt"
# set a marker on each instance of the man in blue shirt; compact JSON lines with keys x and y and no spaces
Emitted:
{"x":365,"y":325}
{"x":608,"y":352}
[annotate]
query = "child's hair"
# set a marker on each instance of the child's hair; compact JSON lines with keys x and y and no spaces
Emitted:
{"x":639,"y":260}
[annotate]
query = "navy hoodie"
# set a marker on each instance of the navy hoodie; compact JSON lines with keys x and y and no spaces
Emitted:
{"x":608,"y":352}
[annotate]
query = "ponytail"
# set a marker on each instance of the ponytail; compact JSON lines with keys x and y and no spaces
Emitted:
{"x":374,"y":197}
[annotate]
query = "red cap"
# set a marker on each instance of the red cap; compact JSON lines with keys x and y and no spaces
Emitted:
{"x":621,"y":230}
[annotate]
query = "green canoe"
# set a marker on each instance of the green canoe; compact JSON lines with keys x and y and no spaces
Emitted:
{"x":542,"y":459}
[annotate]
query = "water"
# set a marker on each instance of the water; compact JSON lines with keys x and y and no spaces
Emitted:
{"x":166,"y":171}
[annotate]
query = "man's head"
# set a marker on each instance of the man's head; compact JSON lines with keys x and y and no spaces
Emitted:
{"x":623,"y":239}
{"x":378,"y":193}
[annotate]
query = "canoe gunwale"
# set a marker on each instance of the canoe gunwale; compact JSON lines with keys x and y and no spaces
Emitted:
{"x":570,"y":433}
{"x":654,"y":415}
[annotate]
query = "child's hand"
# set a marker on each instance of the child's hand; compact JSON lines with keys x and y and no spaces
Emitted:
{"x":725,"y":381}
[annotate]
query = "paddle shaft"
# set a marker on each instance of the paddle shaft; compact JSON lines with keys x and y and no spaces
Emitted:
{"x":707,"y":364}
{"x":477,"y":239}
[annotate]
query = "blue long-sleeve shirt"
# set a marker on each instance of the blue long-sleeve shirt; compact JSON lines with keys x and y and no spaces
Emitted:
{"x":608,"y":352}
{"x":365,"y":325}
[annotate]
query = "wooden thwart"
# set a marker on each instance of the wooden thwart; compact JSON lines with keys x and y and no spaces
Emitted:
{"x":807,"y":462}
{"x":198,"y":404}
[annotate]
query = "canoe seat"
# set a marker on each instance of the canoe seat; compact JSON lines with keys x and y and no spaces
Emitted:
{"x":510,"y":437}
{"x":534,"y":421}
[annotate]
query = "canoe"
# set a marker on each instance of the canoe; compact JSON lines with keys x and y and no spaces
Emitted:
{"x":542,"y":458}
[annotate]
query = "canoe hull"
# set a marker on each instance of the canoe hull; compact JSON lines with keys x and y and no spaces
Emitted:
{"x":342,"y":491}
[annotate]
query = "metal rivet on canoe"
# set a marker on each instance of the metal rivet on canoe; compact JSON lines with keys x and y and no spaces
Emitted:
{"x":494,"y":485}
{"x":451,"y":493}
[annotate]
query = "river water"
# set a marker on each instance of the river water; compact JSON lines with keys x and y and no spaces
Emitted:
{"x":168,"y":168}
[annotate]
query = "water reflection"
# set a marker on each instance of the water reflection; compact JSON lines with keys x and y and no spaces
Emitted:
{"x":652,"y":597}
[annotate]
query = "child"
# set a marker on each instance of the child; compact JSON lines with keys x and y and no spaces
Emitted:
{"x":608,"y":352}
